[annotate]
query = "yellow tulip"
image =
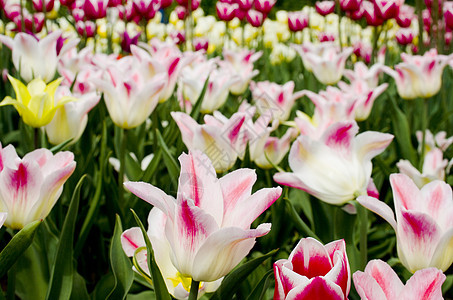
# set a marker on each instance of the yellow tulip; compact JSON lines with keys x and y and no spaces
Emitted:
{"x":35,"y":102}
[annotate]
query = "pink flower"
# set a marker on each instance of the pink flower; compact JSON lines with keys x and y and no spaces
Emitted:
{"x":423,"y":226}
{"x":278,"y":100}
{"x":350,"y":5}
{"x":404,"y":36}
{"x":405,"y":16}
{"x":313,"y":271}
{"x":38,"y":5}
{"x":208,"y":224}
{"x":371,"y":16}
{"x":146,"y":8}
{"x":95,"y":9}
{"x":380,"y":282}
{"x":325,"y":7}
{"x":448,"y":14}
{"x":264,"y":6}
{"x":134,"y":246}
{"x":336,"y":168}
{"x":387,"y":9}
{"x":297,"y":20}
{"x":255,"y":18}
{"x":226,"y":11}
{"x":31,"y":186}
{"x":221,"y":139}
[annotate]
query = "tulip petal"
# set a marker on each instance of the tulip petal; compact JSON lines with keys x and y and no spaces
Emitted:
{"x":424,"y":284}
{"x":310,"y":258}
{"x":379,"y":207}
{"x":153,"y":196}
{"x":290,"y":179}
{"x":198,"y":182}
{"x":387,"y":279}
{"x":236,"y":187}
{"x":340,"y":135}
{"x":439,"y":205}
{"x":317,"y":288}
{"x":187,"y":126}
{"x":340,"y":274}
{"x":223,"y":250}
{"x":371,"y":143}
{"x":131,"y":240}
{"x":443,"y":255}
{"x":367,"y":287}
{"x":405,"y":193}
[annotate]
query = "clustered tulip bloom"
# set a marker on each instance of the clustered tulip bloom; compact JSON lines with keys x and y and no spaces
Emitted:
{"x":423,"y":226}
{"x":31,"y":186}
{"x":35,"y":102}
{"x":208,"y":224}
{"x":335,"y":168}
{"x":313,"y":271}
{"x":380,"y":282}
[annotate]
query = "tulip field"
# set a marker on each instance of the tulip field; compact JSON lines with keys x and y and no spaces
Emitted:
{"x":230,"y":149}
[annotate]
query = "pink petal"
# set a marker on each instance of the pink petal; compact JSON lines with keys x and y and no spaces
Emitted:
{"x":318,"y":288}
{"x":131,"y":240}
{"x":379,"y":207}
{"x":406,"y":194}
{"x":198,"y":182}
{"x":187,"y":126}
{"x":443,"y":255}
{"x":187,"y":233}
{"x":367,"y":287}
{"x":290,"y":179}
{"x":424,"y":284}
{"x":387,"y":279}
{"x":223,"y":250}
{"x":236,"y":187}
{"x":310,"y":258}
{"x":286,"y":279}
{"x":340,"y":135}
{"x":370,"y":143}
{"x":152,"y":195}
{"x":340,"y":274}
{"x":438,"y":202}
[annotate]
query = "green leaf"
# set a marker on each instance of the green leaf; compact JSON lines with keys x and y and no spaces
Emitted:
{"x":79,"y":290}
{"x":298,"y":222}
{"x":448,"y":283}
{"x":160,"y":289}
{"x":403,"y":133}
{"x":18,"y":244}
{"x":169,"y":160}
{"x":61,"y":146}
{"x":121,"y":265}
{"x":259,"y":292}
{"x":232,"y":281}
{"x":195,"y":112}
{"x":61,"y":278}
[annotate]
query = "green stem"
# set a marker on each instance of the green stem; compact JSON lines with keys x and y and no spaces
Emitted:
{"x":418,"y":8}
{"x":122,"y":158}
{"x":11,"y":290}
{"x":36,"y":137}
{"x":194,"y":290}
{"x":424,"y":127}
{"x":362,"y":215}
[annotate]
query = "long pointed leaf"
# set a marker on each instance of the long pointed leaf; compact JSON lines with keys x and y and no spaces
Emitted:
{"x":18,"y":244}
{"x":259,"y":292}
{"x":61,"y":279}
{"x":121,"y":265}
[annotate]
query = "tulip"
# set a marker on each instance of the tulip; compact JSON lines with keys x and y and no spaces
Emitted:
{"x":350,"y":5}
{"x":297,"y":21}
{"x":208,"y":224}
{"x":439,"y":140}
{"x":404,"y":36}
{"x":313,"y":271}
{"x":128,"y":40}
{"x":226,"y":11}
{"x":380,"y":282}
{"x":371,"y":16}
{"x":326,"y":37}
{"x":433,"y":168}
{"x":36,"y":59}
{"x":419,"y":76}
{"x":325,"y":8}
{"x":134,"y":246}
{"x":220,"y":139}
{"x":328,"y":65}
{"x":31,"y":185}
{"x":245,"y":4}
{"x":356,"y":14}
{"x":35,"y":102}
{"x":274,"y":98}
{"x":95,"y":9}
{"x":405,"y":16}
{"x":255,"y":18}
{"x":130,"y":97}
{"x":70,"y":119}
{"x":200,"y":44}
{"x":448,"y":14}
{"x":275,"y":149}
{"x":240,"y":63}
{"x":387,"y":9}
{"x":146,"y":8}
{"x":86,"y":29}
{"x":38,"y":5}
{"x":337,"y":167}
{"x":423,"y":226}
{"x":264,"y":6}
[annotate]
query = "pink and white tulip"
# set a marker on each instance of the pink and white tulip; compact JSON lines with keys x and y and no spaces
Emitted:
{"x":423,"y":226}
{"x":276,"y":99}
{"x":134,"y":246}
{"x":325,"y":8}
{"x":33,"y":58}
{"x":297,"y":20}
{"x":221,"y":139}
{"x":336,"y":168}
{"x":380,"y":282}
{"x":208,"y":224}
{"x":313,"y":271}
{"x":31,"y":186}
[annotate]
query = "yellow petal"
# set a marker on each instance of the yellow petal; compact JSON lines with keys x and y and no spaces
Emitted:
{"x":22,"y":94}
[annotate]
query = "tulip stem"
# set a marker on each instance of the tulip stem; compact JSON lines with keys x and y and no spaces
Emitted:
{"x":122,"y":158}
{"x":362,"y":214}
{"x":194,"y":290}
{"x":424,"y":127}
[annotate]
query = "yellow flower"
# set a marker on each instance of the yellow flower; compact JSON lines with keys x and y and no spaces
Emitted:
{"x":35,"y":102}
